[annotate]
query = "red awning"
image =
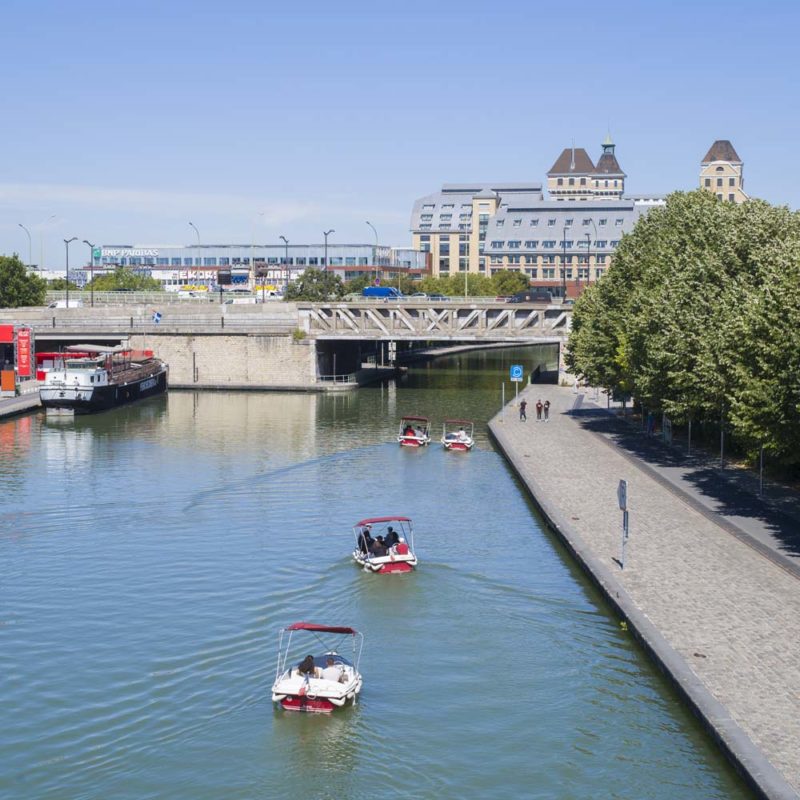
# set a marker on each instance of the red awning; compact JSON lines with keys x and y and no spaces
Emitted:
{"x":312,"y":626}
{"x":381,"y":519}
{"x":415,"y":419}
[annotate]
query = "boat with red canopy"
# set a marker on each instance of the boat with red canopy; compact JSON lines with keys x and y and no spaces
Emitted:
{"x":321,"y":681}
{"x":385,"y":544}
{"x":457,"y":434}
{"x":414,"y":431}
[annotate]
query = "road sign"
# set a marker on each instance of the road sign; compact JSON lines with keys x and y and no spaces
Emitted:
{"x":622,"y":495}
{"x":516,"y":373}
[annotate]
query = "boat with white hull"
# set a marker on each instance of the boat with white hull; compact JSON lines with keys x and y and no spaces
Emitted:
{"x":102,"y":378}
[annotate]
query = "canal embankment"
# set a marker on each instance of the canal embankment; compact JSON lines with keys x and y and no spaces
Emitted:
{"x":719,"y":615}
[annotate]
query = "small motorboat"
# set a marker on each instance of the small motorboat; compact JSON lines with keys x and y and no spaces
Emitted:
{"x":385,"y":544}
{"x":414,"y":431}
{"x":457,"y":434}
{"x":318,"y":683}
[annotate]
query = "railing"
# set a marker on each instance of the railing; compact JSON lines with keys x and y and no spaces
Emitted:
{"x":349,"y":378}
{"x":155,"y":298}
{"x":167,"y":324}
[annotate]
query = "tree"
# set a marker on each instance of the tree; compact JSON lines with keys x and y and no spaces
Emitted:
{"x":18,"y":287}
{"x":60,"y":284}
{"x":356,"y":285}
{"x":317,"y":286}
{"x":507,"y":282}
{"x":125,"y":279}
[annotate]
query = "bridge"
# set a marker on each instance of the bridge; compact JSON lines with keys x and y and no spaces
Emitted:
{"x":299,"y":345}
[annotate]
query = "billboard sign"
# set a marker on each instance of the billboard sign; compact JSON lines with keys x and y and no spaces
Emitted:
{"x":24,"y":355}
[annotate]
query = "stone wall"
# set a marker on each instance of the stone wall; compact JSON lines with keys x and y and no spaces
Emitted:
{"x":217,"y":361}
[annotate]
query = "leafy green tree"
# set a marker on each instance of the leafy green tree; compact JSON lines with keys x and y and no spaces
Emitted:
{"x":356,"y":285}
{"x":507,"y":282}
{"x":60,"y":284}
{"x":18,"y":287}
{"x":126,"y":279}
{"x":316,"y":286}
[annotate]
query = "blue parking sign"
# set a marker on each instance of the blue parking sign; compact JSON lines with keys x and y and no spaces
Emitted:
{"x":516,"y":372}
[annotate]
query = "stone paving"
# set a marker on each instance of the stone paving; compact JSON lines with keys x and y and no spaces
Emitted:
{"x":728,"y":615}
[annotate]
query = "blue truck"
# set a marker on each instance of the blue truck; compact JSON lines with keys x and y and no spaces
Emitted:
{"x":382,"y":293}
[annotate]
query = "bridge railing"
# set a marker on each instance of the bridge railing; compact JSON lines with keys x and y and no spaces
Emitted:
{"x":172,"y":324}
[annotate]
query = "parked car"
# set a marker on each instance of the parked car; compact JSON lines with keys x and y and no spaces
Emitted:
{"x":419,"y":296}
{"x":382,"y":293}
{"x":532,"y":296}
{"x":438,"y":297}
{"x":66,"y":304}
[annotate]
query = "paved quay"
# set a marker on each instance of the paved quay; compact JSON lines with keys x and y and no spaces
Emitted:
{"x":715,"y":602}
{"x":11,"y":406}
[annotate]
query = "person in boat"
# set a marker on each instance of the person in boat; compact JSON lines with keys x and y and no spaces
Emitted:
{"x":307,"y":668}
{"x":419,"y":433}
{"x":331,"y":671}
{"x":365,"y":539}
{"x":378,"y":548}
{"x":461,"y":435}
{"x":391,"y":537}
{"x":408,"y":431}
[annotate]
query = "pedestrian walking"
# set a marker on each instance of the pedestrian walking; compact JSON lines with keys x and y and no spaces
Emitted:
{"x":539,"y":409}
{"x":522,"y":415}
{"x":547,"y":411}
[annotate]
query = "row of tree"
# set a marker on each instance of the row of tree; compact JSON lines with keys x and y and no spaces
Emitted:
{"x":699,"y":317}
{"x":319,"y":286}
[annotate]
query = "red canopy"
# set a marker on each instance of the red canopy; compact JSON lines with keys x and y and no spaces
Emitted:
{"x":381,"y":519}
{"x":458,"y":421}
{"x":415,"y":419}
{"x":312,"y":626}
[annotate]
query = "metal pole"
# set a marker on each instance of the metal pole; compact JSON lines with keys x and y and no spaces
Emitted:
{"x":376,"y":247}
{"x":66,"y":246}
{"x":197,"y":257}
{"x":689,"y":440}
{"x":30,"y":248}
{"x":503,"y":400}
{"x":286,"y":257}
{"x":588,"y":260}
{"x":564,"y":264}
{"x":91,"y":270}
{"x":326,"y":234}
{"x":722,"y":437}
{"x":761,"y":472}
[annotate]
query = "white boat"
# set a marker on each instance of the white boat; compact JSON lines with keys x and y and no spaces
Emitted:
{"x":320,"y":682}
{"x":385,"y":544}
{"x":414,"y":431}
{"x":457,"y":434}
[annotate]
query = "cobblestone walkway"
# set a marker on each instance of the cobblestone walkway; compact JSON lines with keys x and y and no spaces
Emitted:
{"x":729,"y":616}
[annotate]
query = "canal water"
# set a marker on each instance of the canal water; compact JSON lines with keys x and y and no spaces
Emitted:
{"x":150,"y":555}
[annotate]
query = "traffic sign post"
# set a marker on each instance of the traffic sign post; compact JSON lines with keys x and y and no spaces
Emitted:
{"x":516,"y":373}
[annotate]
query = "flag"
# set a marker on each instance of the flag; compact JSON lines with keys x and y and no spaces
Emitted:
{"x":156,"y":317}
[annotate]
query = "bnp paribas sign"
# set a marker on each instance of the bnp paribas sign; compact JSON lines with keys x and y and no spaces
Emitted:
{"x":127,"y":252}
{"x":97,"y":252}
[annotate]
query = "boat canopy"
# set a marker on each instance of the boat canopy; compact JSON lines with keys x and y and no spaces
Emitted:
{"x":458,"y":422}
{"x":415,"y":419}
{"x":312,"y":626}
{"x":96,"y":348}
{"x":374,"y":520}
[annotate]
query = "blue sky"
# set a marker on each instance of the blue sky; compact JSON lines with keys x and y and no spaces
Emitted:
{"x":122,"y":121}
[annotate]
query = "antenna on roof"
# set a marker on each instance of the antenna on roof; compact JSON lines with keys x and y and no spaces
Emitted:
{"x":572,"y":160}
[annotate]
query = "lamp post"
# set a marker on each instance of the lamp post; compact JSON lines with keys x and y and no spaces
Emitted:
{"x":376,"y":247}
{"x":286,"y":258}
{"x":326,"y":234}
{"x":253,"y":253}
{"x":91,"y":269}
{"x":589,"y":255}
{"x":66,"y":247}
{"x":197,"y":233}
{"x":30,"y":247}
{"x":563,"y":264}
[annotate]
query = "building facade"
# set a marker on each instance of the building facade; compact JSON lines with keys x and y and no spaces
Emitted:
{"x":177,"y":266}
{"x":567,"y":238}
{"x":722,"y":172}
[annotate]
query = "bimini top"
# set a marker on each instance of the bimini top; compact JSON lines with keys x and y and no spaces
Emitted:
{"x":380,"y":519}
{"x":458,"y":421}
{"x":312,"y":626}
{"x":416,"y":419}
{"x":97,"y":348}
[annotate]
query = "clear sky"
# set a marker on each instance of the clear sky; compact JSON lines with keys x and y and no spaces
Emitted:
{"x":123,"y":121}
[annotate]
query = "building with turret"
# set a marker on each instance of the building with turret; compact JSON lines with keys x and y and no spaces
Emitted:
{"x":574,"y":176}
{"x":721,"y":172}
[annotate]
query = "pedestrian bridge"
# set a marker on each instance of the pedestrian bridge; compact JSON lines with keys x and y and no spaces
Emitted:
{"x":430,"y":321}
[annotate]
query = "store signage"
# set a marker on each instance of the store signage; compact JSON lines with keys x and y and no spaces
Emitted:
{"x":127,"y":252}
{"x":24,"y":352}
{"x":97,"y":252}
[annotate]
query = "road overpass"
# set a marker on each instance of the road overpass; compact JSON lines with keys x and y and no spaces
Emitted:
{"x":289,"y":345}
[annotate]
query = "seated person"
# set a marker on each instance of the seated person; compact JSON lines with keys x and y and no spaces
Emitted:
{"x":419,"y":433}
{"x":365,"y":540}
{"x":307,"y":668}
{"x":378,"y":547}
{"x":408,"y":431}
{"x":391,"y":537}
{"x":332,"y":672}
{"x":462,"y":435}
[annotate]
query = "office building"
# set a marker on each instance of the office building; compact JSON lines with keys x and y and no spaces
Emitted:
{"x":722,"y":172}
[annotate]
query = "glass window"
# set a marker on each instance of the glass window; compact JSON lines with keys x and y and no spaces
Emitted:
{"x":601,"y":259}
{"x":444,"y":238}
{"x":586,"y":223}
{"x":720,"y":169}
{"x":551,"y":222}
{"x":301,"y":262}
{"x":496,"y":244}
{"x":463,"y":264}
{"x":426,"y":237}
{"x":500,"y":223}
{"x":568,"y":222}
{"x":426,"y":217}
{"x":162,"y":262}
{"x":224,"y":262}
{"x":566,"y":243}
{"x":429,"y":206}
{"x":483,"y":218}
{"x":618,"y":222}
{"x":534,"y":221}
{"x":719,"y":181}
{"x":603,"y":221}
{"x":730,"y":197}
{"x":572,"y":181}
{"x":532,"y":244}
{"x":731,"y":181}
{"x":560,"y":181}
{"x":614,"y":243}
{"x":444,"y":265}
{"x":514,"y":259}
{"x":176,"y":262}
{"x":426,"y":226}
{"x":209,"y":262}
{"x":708,"y":182}
{"x":448,"y":205}
{"x":549,"y":243}
{"x":548,"y":273}
{"x":463,"y":249}
{"x":445,"y":217}
{"x":313,"y":261}
{"x":187,"y":262}
{"x":517,"y":223}
{"x":444,"y":248}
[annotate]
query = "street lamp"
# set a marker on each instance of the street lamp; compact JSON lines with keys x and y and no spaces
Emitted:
{"x":286,"y":260}
{"x":30,"y":248}
{"x":376,"y":247}
{"x":66,"y":247}
{"x":91,"y":269}
{"x":253,"y":251}
{"x":197,"y":233}
{"x":326,"y":234}
{"x":563,"y":263}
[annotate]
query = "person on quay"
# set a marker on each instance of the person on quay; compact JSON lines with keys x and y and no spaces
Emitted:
{"x":522,"y":413}
{"x":539,"y":410}
{"x":546,"y":411}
